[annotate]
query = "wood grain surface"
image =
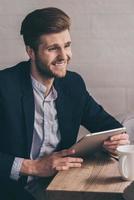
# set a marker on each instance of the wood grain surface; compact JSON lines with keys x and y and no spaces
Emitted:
{"x":98,"y":179}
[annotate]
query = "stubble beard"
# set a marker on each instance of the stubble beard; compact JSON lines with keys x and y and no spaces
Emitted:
{"x":47,"y":73}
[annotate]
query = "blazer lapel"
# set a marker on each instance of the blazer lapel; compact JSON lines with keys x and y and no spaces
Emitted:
{"x":28,"y":106}
{"x":64,"y":112}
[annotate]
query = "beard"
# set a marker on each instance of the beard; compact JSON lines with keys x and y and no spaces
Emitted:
{"x":44,"y":71}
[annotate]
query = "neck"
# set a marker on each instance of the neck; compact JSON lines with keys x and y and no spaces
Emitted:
{"x":48,"y":82}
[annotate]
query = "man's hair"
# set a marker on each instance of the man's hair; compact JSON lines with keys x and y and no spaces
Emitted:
{"x":43,"y":21}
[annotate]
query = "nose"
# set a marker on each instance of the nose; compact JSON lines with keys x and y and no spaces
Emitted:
{"x":62,"y":54}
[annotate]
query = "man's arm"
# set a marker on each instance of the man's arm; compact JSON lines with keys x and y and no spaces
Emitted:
{"x":101,"y":120}
{"x":6,"y":162}
{"x":45,"y":166}
{"x":96,"y":119}
{"x":49,"y":165}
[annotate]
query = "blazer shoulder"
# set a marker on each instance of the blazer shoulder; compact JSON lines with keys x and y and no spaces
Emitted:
{"x":11,"y":78}
{"x":14,"y":69}
{"x":74,"y":77}
{"x":74,"y":80}
{"x":72,"y":84}
{"x":13,"y":72}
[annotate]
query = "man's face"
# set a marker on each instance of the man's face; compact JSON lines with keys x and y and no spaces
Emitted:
{"x":53,"y":55}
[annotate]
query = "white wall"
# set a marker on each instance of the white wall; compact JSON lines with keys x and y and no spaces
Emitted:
{"x":103,"y":44}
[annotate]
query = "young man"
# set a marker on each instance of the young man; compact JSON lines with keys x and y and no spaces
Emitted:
{"x":42,"y":106}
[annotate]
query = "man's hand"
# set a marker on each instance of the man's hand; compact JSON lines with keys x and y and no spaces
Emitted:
{"x":113,"y":142}
{"x":49,"y":165}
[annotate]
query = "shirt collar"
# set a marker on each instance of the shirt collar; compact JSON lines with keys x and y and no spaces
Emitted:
{"x":42,"y":89}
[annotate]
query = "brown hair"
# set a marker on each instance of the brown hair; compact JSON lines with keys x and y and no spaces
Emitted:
{"x":43,"y":21}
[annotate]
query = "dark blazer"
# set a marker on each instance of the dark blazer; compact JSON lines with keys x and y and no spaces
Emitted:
{"x":74,"y":105}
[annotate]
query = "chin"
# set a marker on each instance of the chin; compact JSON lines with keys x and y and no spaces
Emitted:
{"x":60,"y":74}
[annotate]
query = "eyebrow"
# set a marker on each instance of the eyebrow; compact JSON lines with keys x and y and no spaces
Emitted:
{"x":57,"y":45}
{"x":69,"y":42}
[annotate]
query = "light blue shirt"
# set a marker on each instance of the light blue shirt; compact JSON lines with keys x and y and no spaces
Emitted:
{"x":46,"y":134}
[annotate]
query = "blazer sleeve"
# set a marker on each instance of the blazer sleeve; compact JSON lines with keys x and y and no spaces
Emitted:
{"x":94,"y":117}
{"x":6,"y":160}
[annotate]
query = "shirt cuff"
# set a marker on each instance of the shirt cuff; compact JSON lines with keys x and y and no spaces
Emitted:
{"x":15,"y":171}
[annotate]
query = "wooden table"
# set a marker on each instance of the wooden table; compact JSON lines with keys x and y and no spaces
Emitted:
{"x":98,"y":179}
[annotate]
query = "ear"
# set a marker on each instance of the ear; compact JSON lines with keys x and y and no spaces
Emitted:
{"x":30,"y":52}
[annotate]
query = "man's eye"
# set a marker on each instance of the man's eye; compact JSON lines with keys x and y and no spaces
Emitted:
{"x":67,"y":45}
{"x":52,"y":49}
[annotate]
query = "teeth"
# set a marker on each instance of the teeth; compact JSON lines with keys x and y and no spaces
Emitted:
{"x":61,"y":63}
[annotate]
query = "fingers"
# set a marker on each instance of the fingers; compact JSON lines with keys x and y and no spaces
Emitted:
{"x":68,"y":162}
{"x":72,"y":160}
{"x":66,"y":166}
{"x":122,"y":136}
{"x":65,"y":152}
{"x":115,"y":144}
{"x":64,"y":161}
{"x":116,"y":140}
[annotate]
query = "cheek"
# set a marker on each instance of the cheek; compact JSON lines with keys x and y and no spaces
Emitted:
{"x":50,"y":58}
{"x":69,"y":54}
{"x":46,"y":59}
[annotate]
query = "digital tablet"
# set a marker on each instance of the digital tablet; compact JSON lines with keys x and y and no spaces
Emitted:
{"x":93,"y":142}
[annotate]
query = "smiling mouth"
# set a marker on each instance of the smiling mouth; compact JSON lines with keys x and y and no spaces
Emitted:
{"x":63,"y":63}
